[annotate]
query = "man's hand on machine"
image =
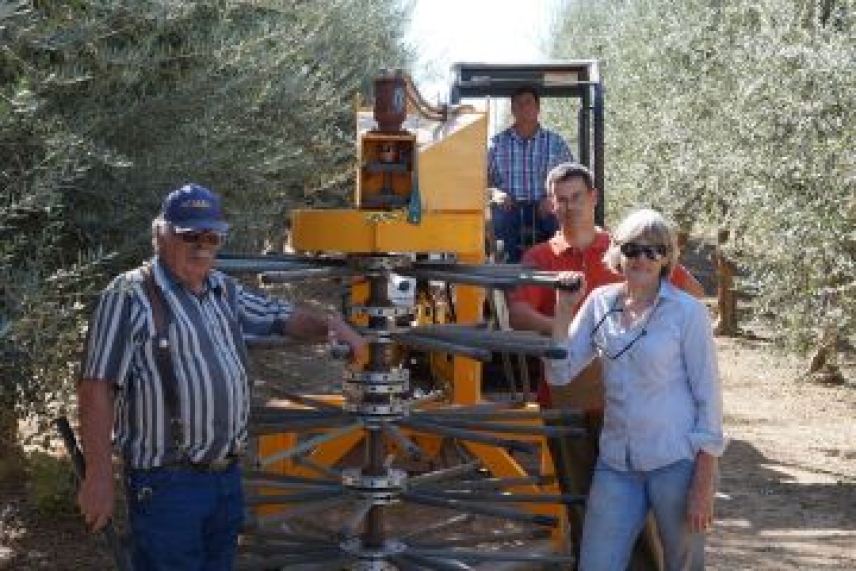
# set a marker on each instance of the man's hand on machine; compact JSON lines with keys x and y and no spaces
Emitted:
{"x":346,"y":342}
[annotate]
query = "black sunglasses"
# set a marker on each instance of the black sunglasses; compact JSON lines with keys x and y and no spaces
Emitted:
{"x":634,"y":250}
{"x":204,"y":238}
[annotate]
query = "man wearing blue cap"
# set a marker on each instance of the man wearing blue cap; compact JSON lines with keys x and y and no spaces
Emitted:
{"x":165,"y":372}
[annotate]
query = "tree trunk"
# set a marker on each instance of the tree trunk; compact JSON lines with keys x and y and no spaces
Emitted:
{"x":726,"y":297}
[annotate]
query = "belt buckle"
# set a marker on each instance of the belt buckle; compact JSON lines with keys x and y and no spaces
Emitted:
{"x":220,"y":465}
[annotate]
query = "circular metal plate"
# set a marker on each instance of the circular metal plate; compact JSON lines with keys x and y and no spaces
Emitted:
{"x":393,"y":376}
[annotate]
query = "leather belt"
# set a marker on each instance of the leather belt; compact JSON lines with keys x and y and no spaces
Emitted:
{"x":220,"y":465}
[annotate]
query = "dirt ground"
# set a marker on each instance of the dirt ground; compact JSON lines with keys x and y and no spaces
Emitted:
{"x":787,"y":496}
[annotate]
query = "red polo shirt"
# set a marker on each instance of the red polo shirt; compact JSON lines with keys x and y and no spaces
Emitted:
{"x":557,"y":255}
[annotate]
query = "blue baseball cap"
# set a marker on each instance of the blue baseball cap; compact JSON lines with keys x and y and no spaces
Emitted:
{"x":194,"y":207}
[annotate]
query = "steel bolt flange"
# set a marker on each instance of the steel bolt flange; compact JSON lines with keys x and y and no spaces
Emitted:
{"x":391,"y":481}
{"x":389,"y":312}
{"x":396,"y":409}
{"x":379,"y":263}
{"x":372,"y":559}
{"x":358,"y":391}
{"x":392,"y":376}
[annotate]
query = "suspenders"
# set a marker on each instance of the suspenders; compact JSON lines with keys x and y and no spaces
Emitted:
{"x":163,"y":358}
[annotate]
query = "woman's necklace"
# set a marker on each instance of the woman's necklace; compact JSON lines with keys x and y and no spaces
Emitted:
{"x":635,"y":309}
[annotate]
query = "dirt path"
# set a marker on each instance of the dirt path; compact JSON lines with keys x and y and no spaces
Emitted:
{"x":789,"y":474}
{"x":788,"y":490}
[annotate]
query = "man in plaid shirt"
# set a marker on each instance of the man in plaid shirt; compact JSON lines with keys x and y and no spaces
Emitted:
{"x":519,"y":159}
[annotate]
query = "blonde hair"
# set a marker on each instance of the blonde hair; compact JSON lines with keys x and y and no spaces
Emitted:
{"x":650,"y":226}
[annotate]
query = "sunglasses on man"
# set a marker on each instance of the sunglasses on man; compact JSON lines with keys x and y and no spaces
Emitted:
{"x":204,"y":238}
{"x":652,"y":252}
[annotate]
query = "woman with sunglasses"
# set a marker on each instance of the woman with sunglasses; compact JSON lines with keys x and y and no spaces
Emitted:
{"x":662,"y":430}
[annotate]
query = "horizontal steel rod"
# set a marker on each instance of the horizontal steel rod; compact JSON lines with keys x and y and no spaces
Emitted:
{"x":469,"y":539}
{"x":300,"y":511}
{"x":492,"y":483}
{"x":284,"y":561}
{"x":312,"y":402}
{"x":453,"y":521}
{"x":535,"y":430}
{"x":469,"y":435}
{"x":413,"y":339}
{"x":256,"y":536}
{"x":257,"y":477}
{"x":506,"y":498}
{"x":283,"y":276}
{"x":431,"y":563}
{"x":567,"y":414}
{"x":295,"y":498}
{"x":476,"y":508}
{"x":446,"y":473}
{"x":262,"y":428}
{"x":310,"y":443}
{"x":482,"y":556}
{"x":490,"y":340}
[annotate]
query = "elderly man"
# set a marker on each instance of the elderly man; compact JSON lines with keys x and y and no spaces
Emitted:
{"x":165,"y":372}
{"x":579,"y":245}
{"x":519,"y":159}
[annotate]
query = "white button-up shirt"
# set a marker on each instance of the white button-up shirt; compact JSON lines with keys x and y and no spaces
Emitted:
{"x":663,"y":395}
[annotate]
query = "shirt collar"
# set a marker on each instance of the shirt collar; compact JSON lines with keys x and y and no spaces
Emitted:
{"x":167,"y":278}
{"x":599,"y":243}
{"x":515,"y":135}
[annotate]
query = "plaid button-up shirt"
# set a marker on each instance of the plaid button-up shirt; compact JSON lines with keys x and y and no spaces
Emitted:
{"x":519,"y":166}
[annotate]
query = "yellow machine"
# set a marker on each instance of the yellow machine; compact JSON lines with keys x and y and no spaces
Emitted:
{"x":418,"y":212}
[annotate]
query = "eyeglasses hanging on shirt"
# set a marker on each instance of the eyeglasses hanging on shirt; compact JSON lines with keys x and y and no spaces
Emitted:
{"x":642,"y":332}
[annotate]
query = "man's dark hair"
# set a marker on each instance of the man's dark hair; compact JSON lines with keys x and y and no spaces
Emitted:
{"x":566,"y":171}
{"x":531,"y":89}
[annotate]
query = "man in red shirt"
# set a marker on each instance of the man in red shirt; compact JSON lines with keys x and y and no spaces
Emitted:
{"x":579,"y":246}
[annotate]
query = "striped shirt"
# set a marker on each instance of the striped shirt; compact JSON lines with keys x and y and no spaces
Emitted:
{"x":519,"y":166}
{"x":207,"y":349}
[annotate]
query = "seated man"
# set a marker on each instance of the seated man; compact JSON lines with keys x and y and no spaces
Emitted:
{"x":519,"y":159}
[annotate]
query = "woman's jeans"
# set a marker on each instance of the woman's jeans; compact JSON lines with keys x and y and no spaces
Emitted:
{"x":615,"y":513}
{"x":184,"y":520}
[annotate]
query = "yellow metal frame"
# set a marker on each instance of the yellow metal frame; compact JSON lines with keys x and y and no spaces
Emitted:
{"x":451,"y":180}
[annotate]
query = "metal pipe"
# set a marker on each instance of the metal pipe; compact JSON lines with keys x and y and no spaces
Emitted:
{"x":408,"y":446}
{"x":433,"y":563}
{"x":471,"y":436}
{"x":446,"y":473}
{"x":476,"y":508}
{"x":469,"y":539}
{"x":301,"y":273}
{"x":508,"y":498}
{"x":309,"y":444}
{"x":413,"y":339}
{"x":482,"y":425}
{"x":495,"y":483}
{"x":483,"y":556}
{"x":277,"y":499}
{"x":269,"y":479}
{"x":300,"y":511}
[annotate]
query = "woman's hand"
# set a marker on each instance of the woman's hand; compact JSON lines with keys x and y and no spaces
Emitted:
{"x":567,"y":299}
{"x":566,"y":302}
{"x":701,"y":494}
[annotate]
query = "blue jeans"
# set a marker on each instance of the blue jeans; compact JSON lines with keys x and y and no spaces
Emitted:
{"x":521,"y":226}
{"x":184,"y":520}
{"x":616,"y":509}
